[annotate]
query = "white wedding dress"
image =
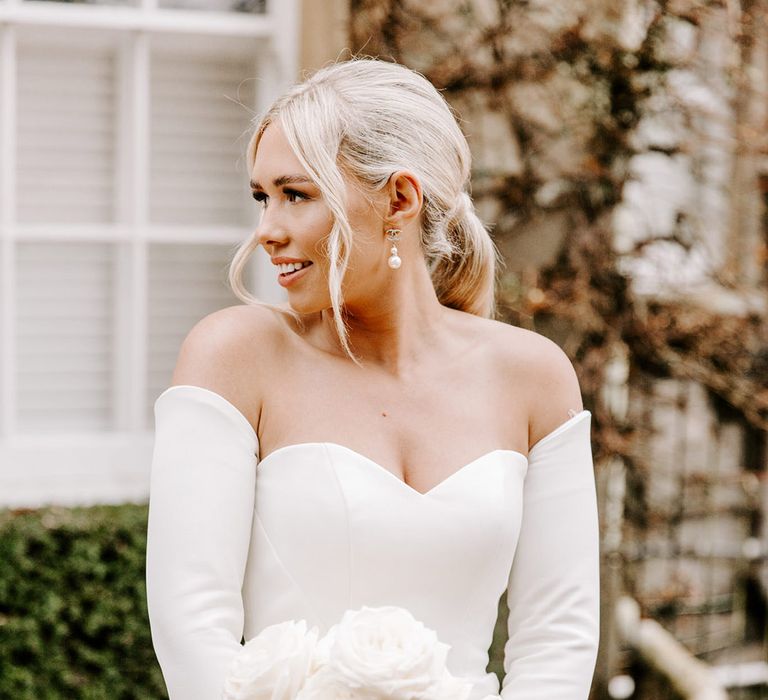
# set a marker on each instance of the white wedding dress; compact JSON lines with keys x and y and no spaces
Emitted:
{"x":236,"y":544}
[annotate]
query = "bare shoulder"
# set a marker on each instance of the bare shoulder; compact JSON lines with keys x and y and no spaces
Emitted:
{"x":539,"y":373}
{"x":224,"y":350}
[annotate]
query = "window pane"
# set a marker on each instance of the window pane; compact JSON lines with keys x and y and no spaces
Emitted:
{"x":199,"y":133}
{"x":96,"y":2}
{"x":249,"y":6}
{"x":186,"y":283}
{"x":65,"y":298}
{"x":66,"y":135}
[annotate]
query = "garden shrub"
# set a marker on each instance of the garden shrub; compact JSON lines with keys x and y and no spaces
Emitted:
{"x":73,"y":611}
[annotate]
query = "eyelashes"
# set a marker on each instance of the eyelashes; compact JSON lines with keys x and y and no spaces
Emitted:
{"x":293,"y":196}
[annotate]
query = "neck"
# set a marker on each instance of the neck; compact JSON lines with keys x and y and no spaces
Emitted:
{"x":397,"y":326}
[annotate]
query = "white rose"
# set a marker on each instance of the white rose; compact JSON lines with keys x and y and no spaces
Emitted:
{"x":321,"y":653}
{"x":448,"y":687}
{"x":273,"y":665}
{"x":390,"y":655}
{"x":325,"y":684}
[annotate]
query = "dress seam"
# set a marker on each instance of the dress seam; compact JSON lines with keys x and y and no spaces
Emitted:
{"x":329,"y":460}
{"x":287,"y":571}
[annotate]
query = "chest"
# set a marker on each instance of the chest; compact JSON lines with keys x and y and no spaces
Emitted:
{"x":422,"y":430}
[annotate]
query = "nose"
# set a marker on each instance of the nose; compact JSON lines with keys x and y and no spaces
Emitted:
{"x":269,"y":232}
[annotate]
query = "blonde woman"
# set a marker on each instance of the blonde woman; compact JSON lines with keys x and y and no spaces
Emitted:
{"x":379,"y":440}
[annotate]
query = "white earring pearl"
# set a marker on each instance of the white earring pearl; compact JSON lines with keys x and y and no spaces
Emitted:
{"x":394,"y":261}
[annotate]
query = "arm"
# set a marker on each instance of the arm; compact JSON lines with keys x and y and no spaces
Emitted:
{"x":200,"y":516}
{"x":553,"y":593}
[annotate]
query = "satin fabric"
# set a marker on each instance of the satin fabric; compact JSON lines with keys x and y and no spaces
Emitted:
{"x":236,"y":544}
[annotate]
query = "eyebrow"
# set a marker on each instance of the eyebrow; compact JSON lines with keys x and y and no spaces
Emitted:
{"x":284,"y":180}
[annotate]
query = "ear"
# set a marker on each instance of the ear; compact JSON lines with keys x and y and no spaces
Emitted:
{"x":405,"y":198}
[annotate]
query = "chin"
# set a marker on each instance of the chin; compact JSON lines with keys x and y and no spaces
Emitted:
{"x":308,"y":306}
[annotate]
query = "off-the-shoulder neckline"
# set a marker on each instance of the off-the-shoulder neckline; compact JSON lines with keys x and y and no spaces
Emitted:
{"x":240,"y":417}
{"x":227,"y":405}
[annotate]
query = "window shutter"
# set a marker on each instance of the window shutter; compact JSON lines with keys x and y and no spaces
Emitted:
{"x":124,"y":175}
{"x":65,"y":335}
{"x":186,"y":283}
{"x":66,"y":135}
{"x":198,"y":173}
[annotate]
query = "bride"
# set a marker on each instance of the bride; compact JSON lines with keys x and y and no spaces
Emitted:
{"x":379,"y":440}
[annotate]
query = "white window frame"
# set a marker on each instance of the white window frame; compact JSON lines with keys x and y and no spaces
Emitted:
{"x":113,"y":467}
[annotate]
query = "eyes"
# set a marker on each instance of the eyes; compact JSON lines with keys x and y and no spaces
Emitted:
{"x":293,"y":196}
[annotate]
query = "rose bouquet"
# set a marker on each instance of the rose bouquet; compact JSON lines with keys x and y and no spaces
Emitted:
{"x":371,"y":654}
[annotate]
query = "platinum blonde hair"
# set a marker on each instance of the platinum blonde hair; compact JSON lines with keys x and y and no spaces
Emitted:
{"x":365,"y":119}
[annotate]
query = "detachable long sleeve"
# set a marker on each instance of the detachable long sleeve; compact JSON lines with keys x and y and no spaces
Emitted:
{"x":554,"y":584}
{"x":200,"y":516}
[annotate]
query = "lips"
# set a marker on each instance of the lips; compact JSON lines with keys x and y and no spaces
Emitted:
{"x":292,"y":266}
{"x":285,"y":279}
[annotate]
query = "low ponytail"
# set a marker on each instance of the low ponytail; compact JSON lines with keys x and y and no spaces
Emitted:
{"x":464,"y":271}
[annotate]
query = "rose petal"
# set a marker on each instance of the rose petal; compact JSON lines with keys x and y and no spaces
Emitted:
{"x":273,"y":665}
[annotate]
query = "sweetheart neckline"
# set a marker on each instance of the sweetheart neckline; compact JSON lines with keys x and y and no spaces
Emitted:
{"x":386,"y":471}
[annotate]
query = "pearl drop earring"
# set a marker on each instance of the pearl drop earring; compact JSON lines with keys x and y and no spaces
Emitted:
{"x":393,"y":234}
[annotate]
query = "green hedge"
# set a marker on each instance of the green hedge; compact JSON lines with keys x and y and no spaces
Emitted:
{"x":73,"y":611}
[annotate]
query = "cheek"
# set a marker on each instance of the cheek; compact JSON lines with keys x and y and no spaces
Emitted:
{"x":315,"y":215}
{"x":313,"y":224}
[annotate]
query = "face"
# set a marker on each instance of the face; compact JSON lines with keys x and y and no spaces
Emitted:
{"x":296,"y":222}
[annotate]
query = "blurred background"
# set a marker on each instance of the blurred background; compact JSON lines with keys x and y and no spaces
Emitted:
{"x":621,"y":161}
